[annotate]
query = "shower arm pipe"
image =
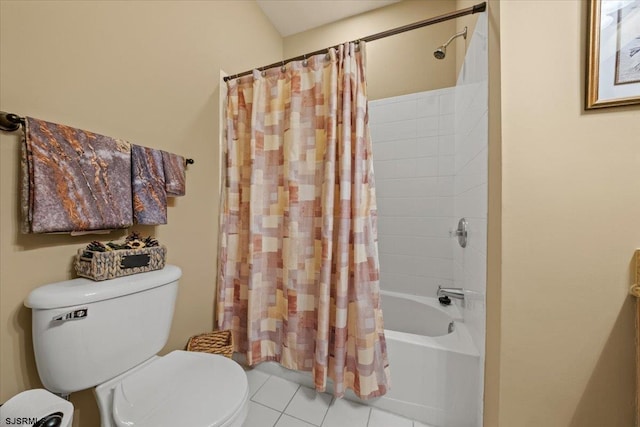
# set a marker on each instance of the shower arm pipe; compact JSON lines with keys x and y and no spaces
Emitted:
{"x":462,"y":33}
{"x":480,"y":7}
{"x":10,"y":122}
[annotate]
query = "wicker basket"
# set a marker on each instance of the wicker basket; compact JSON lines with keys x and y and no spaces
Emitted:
{"x":111,"y":264}
{"x":216,"y":342}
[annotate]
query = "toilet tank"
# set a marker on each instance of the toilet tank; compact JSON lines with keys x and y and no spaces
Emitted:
{"x":86,"y":332}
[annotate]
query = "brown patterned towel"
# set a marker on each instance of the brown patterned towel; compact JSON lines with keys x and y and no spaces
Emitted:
{"x":174,"y":176}
{"x":149,"y":194}
{"x":74,"y":180}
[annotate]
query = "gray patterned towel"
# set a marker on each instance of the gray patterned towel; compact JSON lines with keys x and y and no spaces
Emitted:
{"x":149,"y":194}
{"x":74,"y":180}
{"x":174,"y":176}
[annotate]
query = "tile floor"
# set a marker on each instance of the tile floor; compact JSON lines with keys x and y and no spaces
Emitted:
{"x":276,"y":402}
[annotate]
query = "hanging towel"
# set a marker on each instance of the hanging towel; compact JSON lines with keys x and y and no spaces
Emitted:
{"x":149,"y":194}
{"x":174,"y":176}
{"x":73,"y":180}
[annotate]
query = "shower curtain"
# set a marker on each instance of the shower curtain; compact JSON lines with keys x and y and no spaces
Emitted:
{"x":298,"y":270}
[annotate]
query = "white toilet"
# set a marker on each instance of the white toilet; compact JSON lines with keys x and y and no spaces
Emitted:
{"x":107,"y":334}
{"x":36,"y":407}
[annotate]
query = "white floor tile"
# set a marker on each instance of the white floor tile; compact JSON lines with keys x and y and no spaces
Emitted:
{"x":386,"y":419}
{"x":275,"y":393}
{"x":256,"y":380}
{"x":261,"y":416}
{"x":344,"y":413}
{"x":309,"y":405}
{"x":287,"y":421}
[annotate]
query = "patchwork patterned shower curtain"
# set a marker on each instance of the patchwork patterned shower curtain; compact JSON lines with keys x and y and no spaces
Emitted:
{"x":298,"y":271}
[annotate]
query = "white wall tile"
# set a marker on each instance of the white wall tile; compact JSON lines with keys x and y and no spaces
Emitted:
{"x":470,"y":186}
{"x":383,"y":169}
{"x":447,"y":102}
{"x":394,"y":131}
{"x":472,"y":174}
{"x":393,"y":150}
{"x":445,"y":124}
{"x":416,"y":226}
{"x":380,"y":112}
{"x":414,"y":189}
{"x":425,"y":147}
{"x":434,"y":172}
{"x":446,"y":145}
{"x":427,"y":126}
{"x":407,"y":168}
{"x":427,"y":166}
{"x":446,"y":186}
{"x":428,"y":105}
{"x":472,"y":203}
{"x":408,"y":187}
{"x":433,"y":247}
{"x":446,"y":165}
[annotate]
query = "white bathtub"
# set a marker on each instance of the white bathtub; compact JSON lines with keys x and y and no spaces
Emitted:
{"x":434,"y":372}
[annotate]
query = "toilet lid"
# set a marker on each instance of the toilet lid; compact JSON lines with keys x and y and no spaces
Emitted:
{"x":181,"y":388}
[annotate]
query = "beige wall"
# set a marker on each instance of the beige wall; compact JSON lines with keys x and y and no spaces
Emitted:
{"x":396,"y":65}
{"x":494,"y":226}
{"x":143,"y":71}
{"x":570,"y":211}
{"x":562,"y":229}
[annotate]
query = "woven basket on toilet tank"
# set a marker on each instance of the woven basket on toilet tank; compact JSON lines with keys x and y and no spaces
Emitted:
{"x":107,"y":261}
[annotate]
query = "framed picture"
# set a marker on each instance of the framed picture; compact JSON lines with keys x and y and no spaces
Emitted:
{"x":613,"y":59}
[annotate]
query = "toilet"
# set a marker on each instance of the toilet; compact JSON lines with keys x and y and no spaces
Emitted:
{"x":107,"y":335}
{"x":36,"y":407}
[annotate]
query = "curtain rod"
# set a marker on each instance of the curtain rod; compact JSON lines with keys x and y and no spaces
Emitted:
{"x":480,"y":7}
{"x":10,"y":122}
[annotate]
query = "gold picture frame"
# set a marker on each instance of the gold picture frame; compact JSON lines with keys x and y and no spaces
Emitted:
{"x":613,"y":56}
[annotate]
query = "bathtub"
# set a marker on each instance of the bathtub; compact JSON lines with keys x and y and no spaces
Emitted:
{"x":434,"y":364}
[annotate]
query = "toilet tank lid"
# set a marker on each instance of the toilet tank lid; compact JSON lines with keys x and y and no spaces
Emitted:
{"x":83,"y":291}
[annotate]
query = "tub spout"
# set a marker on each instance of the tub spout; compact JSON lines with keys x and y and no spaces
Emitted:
{"x":457,"y":293}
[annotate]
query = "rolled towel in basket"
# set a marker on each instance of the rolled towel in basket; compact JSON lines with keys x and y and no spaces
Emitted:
{"x":73,"y":180}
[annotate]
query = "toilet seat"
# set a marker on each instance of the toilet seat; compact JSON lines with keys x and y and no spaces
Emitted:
{"x":182,"y":388}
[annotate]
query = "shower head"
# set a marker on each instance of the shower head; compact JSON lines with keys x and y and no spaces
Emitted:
{"x":441,"y":52}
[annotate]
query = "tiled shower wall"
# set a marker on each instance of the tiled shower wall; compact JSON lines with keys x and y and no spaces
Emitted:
{"x":470,"y":185}
{"x":414,"y":163}
{"x":430,"y":154}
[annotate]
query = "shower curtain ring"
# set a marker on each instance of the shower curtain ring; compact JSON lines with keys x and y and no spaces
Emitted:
{"x":283,"y":69}
{"x":263,"y":73}
{"x":304,"y":61}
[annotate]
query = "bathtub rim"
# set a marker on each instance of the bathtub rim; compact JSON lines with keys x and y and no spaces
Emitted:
{"x":450,"y":310}
{"x":458,"y":341}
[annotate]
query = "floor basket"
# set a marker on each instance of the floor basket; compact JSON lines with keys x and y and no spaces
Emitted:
{"x":216,"y":342}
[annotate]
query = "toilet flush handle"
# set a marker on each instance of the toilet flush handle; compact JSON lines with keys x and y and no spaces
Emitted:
{"x":78,"y":314}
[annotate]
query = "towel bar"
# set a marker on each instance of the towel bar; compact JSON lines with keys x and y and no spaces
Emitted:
{"x":10,"y":122}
